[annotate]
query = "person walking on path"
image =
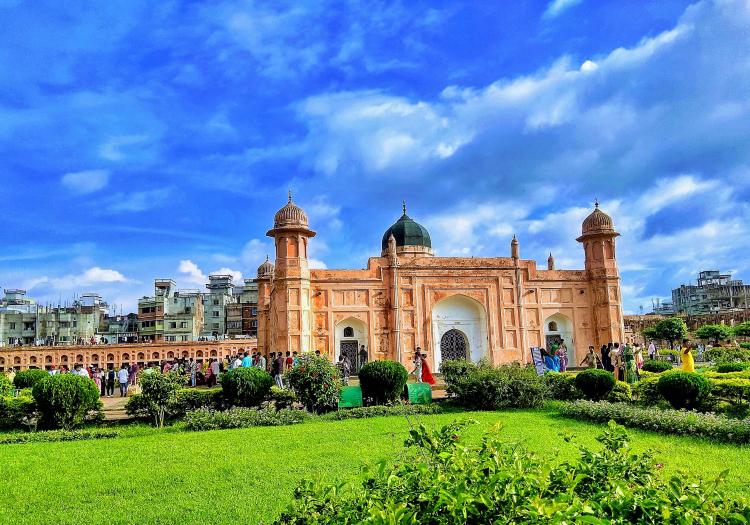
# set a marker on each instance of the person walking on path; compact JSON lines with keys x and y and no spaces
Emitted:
{"x":345,"y":368}
{"x":122,"y":376}
{"x":426,"y":372}
{"x":111,"y":376}
{"x":590,"y":360}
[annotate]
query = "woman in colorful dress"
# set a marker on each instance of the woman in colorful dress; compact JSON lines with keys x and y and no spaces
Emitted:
{"x":562,"y":354}
{"x":427,"y":376}
{"x":688,"y":363}
{"x":631,"y":372}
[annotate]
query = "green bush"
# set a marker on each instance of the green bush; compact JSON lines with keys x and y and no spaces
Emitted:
{"x":245,"y":386}
{"x":727,"y":355}
{"x":445,"y":481}
{"x":714,"y":332}
{"x":488,"y":388}
{"x":683,"y":389}
{"x":723,"y":368}
{"x":17,"y":413}
{"x":185,"y":400}
{"x":453,"y":370}
{"x":158,"y":393}
{"x":383,"y":410}
{"x":666,"y":421}
{"x":595,"y":383}
{"x":620,"y":393}
{"x":65,"y":400}
{"x":28,"y":378}
{"x":656,"y":365}
{"x":382,"y":381}
{"x":6,"y":387}
{"x":281,"y":397}
{"x":316,"y":382}
{"x":745,"y":345}
{"x":242,"y":417}
{"x":646,"y":392}
{"x":51,"y":436}
{"x":562,"y":386}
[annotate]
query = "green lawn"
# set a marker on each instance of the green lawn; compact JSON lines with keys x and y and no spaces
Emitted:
{"x":248,"y":475}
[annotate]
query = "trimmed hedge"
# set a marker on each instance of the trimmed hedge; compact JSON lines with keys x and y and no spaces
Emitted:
{"x":246,"y":386}
{"x":28,"y":378}
{"x":17,"y":413}
{"x":683,"y":389}
{"x":562,"y":386}
{"x":656,"y":365}
{"x":242,"y":417}
{"x":382,"y":410}
{"x":620,"y":393}
{"x":646,"y":392}
{"x":51,"y":436}
{"x":186,"y":399}
{"x":678,"y":422}
{"x":65,"y":400}
{"x":595,"y":383}
{"x":382,"y":381}
{"x":484,"y":387}
{"x":723,"y":368}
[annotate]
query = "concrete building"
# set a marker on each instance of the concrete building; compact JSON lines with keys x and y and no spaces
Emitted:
{"x":220,"y":295}
{"x":170,"y":315}
{"x":452,"y":307}
{"x":242,"y":315}
{"x":714,"y":292}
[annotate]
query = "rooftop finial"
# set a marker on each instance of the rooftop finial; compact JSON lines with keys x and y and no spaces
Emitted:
{"x":290,"y":194}
{"x":266,"y":257}
{"x":403,"y":205}
{"x":596,"y":203}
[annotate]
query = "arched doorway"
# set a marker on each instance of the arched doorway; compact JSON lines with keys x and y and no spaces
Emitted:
{"x":350,"y":337}
{"x":459,"y":329}
{"x":558,"y":328}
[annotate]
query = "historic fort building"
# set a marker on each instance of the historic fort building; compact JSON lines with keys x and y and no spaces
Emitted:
{"x":487,"y":307}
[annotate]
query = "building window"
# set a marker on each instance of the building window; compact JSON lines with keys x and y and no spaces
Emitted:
{"x":216,"y":301}
{"x":216,"y":313}
{"x":183,"y":324}
{"x":348,"y":331}
{"x":12,"y":326}
{"x":172,"y":324}
{"x":254,"y":324}
{"x":254,"y":312}
{"x":552,"y":326}
{"x":215,"y":326}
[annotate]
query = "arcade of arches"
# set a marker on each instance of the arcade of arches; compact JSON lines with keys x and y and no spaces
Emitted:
{"x":485,"y":307}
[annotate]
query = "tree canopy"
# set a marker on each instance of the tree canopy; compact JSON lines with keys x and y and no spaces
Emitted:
{"x":714,"y":332}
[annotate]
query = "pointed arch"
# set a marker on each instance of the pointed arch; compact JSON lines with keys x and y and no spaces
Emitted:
{"x":464,"y":320}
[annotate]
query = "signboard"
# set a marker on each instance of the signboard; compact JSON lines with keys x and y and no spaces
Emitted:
{"x":536,"y":357}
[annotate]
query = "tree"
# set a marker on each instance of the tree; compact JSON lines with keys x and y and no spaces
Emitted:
{"x":714,"y":332}
{"x":650,"y":333}
{"x":742,"y":329}
{"x":159,"y":391}
{"x":671,"y":329}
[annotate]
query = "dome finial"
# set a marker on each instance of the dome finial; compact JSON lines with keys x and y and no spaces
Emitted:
{"x":403,"y":206}
{"x":290,"y":194}
{"x":596,"y":203}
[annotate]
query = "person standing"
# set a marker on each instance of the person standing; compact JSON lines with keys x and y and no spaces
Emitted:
{"x":122,"y":377}
{"x":638,"y":351}
{"x":362,"y":356}
{"x":607,"y":357}
{"x":688,"y":363}
{"x":295,"y":359}
{"x":215,"y":370}
{"x":193,"y":369}
{"x":562,"y":353}
{"x":590,"y":360}
{"x":279,"y":367}
{"x":102,"y":381}
{"x":629,"y":365}
{"x":651,"y":350}
{"x":247,"y":362}
{"x":417,"y":361}
{"x":426,"y":372}
{"x":288,"y":362}
{"x":111,"y":376}
{"x":261,"y":361}
{"x":345,"y":368}
{"x":134,"y":369}
{"x":616,"y":357}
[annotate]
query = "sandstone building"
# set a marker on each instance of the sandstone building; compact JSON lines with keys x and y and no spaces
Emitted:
{"x":452,"y":307}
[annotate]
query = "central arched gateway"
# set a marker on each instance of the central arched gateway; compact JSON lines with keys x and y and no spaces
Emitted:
{"x":459,"y":329}
{"x":350,"y":339}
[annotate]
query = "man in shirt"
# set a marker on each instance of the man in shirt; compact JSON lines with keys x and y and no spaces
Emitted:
{"x":122,"y":377}
{"x":247,"y":362}
{"x":261,"y":361}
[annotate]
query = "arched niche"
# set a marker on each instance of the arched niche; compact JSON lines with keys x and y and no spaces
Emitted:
{"x":349,"y":337}
{"x":468,"y":320}
{"x":559,"y":327}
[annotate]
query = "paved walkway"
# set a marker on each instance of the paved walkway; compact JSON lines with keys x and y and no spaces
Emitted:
{"x":114,"y":408}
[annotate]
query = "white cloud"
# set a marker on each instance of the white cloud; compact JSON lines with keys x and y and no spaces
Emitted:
{"x":557,"y":7}
{"x":236,"y":274}
{"x":91,"y":276}
{"x":118,"y":148}
{"x":316,"y":264}
{"x":136,"y":201}
{"x":192,"y":274}
{"x":84,"y":182}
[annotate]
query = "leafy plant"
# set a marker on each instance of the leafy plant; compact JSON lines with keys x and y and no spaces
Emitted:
{"x":6,"y":387}
{"x":242,"y":417}
{"x":453,"y":370}
{"x":720,"y":354}
{"x":486,"y":387}
{"x":714,"y":332}
{"x":185,"y":400}
{"x":445,"y":481}
{"x":316,"y":382}
{"x":683,"y":389}
{"x":646,"y":392}
{"x":281,"y":397}
{"x":724,"y":368}
{"x":65,"y":400}
{"x":742,"y":329}
{"x":51,"y":436}
{"x":656,"y":365}
{"x":382,"y":410}
{"x":595,"y":383}
{"x":158,"y":391}
{"x":383,"y":381}
{"x":17,"y":413}
{"x":670,"y":329}
{"x":28,"y":378}
{"x":246,"y":386}
{"x":620,"y":393}
{"x":562,"y":386}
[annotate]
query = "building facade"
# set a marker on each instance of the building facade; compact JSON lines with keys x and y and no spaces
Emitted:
{"x":714,"y":292}
{"x":452,"y":307}
{"x":170,"y":315}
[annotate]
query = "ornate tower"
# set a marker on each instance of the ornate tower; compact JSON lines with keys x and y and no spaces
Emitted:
{"x":264,"y":280}
{"x":598,"y":238}
{"x":290,"y":314}
{"x":550,"y":262}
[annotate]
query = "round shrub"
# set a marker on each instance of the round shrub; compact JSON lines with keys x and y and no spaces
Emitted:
{"x":383,"y":381}
{"x":508,"y":386}
{"x":562,"y":386}
{"x":620,"y":393}
{"x":655,"y":365}
{"x":724,"y":368}
{"x":646,"y":391}
{"x":28,"y":378}
{"x":246,"y":386}
{"x":683,"y":389}
{"x":594,"y":383}
{"x":316,"y":382}
{"x":6,"y":387}
{"x":65,"y":400}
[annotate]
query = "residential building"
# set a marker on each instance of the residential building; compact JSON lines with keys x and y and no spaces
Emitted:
{"x":242,"y":315}
{"x":220,"y":294}
{"x":714,"y":292}
{"x":170,"y":315}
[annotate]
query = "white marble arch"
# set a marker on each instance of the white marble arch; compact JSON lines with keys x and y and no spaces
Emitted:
{"x":560,"y":325}
{"x":468,"y":316}
{"x":357,"y":332}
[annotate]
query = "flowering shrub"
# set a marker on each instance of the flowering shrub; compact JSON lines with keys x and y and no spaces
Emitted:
{"x":316,"y":382}
{"x":383,"y":381}
{"x":444,"y":481}
{"x":594,"y":383}
{"x":656,"y":365}
{"x":246,"y":386}
{"x":680,"y":422}
{"x":382,"y":410}
{"x":562,"y":386}
{"x":485,"y":387}
{"x":241,"y":417}
{"x":683,"y":389}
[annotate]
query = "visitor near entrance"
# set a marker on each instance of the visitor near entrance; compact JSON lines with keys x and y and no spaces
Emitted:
{"x":123,"y":375}
{"x":417,"y":362}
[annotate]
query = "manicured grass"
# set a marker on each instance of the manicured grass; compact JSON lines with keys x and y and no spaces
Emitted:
{"x":248,"y":475}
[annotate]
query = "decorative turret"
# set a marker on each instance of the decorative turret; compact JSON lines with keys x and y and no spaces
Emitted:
{"x":514,"y":251}
{"x":550,"y":262}
{"x":598,"y":238}
{"x":265,"y":270}
{"x":412,"y":239}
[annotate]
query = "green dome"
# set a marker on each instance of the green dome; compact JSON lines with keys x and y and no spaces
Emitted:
{"x":407,"y":232}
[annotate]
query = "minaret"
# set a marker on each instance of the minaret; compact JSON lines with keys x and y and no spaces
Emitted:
{"x":598,"y":238}
{"x":514,"y":252}
{"x":550,"y":262}
{"x":290,"y":314}
{"x":265,"y":283}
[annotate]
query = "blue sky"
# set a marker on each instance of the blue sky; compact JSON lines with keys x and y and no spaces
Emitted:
{"x":156,"y":139}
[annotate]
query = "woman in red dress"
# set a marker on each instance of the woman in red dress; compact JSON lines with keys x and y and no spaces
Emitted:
{"x":427,"y":376}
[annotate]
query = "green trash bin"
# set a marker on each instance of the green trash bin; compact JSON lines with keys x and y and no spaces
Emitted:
{"x":350,"y":397}
{"x":419,"y":393}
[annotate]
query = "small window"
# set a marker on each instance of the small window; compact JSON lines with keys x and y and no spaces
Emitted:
{"x":552,"y":326}
{"x":348,"y":331}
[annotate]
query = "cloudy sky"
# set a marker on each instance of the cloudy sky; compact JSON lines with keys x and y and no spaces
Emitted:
{"x":156,"y":139}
